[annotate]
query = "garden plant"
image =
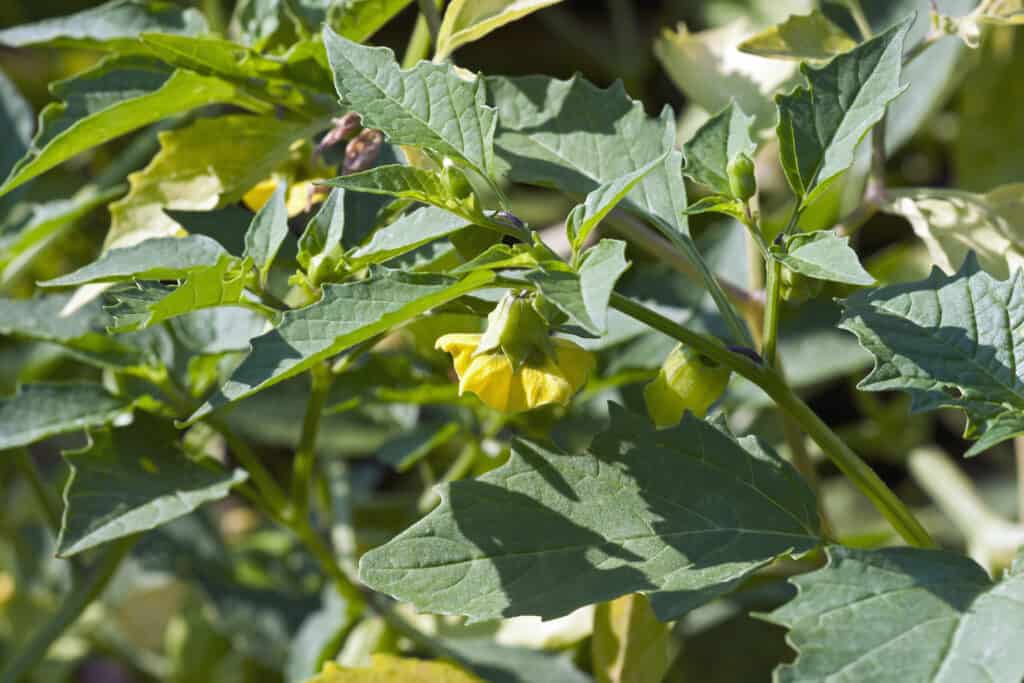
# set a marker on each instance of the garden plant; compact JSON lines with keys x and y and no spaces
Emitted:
{"x":336,"y":345}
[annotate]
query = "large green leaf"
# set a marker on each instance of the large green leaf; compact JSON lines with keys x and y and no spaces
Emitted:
{"x":824,"y":256}
{"x":821,"y":124}
{"x":116,"y":97}
{"x":346,"y":314}
{"x":904,"y":614}
{"x":133,"y":479}
{"x":952,"y":223}
{"x":812,"y":37}
{"x":684,"y":513}
{"x":210,"y":164}
{"x":409,"y":232}
{"x":166,"y":258}
{"x":468,"y":20}
{"x":429,"y":106}
{"x":950,"y":340}
{"x":112,"y":25}
{"x":39,"y":411}
{"x":721,"y":139}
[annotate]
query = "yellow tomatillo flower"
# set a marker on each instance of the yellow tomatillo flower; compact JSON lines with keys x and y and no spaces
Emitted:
{"x":515,"y":365}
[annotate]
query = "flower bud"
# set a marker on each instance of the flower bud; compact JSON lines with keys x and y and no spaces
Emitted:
{"x":742,"y":182}
{"x":687,"y":380}
{"x":518,"y":330}
{"x":797,"y":288}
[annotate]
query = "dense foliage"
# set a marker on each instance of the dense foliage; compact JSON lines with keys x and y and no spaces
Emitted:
{"x":322,"y":363}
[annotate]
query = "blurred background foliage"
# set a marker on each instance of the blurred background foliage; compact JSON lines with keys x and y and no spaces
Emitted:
{"x":219,"y":596}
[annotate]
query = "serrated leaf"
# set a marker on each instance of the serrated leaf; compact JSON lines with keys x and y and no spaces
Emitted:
{"x":113,"y":25}
{"x":584,"y":295}
{"x":722,"y":138}
{"x":949,"y":340}
{"x":599,"y":202}
{"x":357,"y":20}
{"x":630,"y":644}
{"x":142,"y":305}
{"x":207,"y":165}
{"x":133,"y":479}
{"x":429,"y":106}
{"x":409,"y":232}
{"x":387,"y":668}
{"x":683,"y":513}
{"x":39,"y":411}
{"x":267,"y":232}
{"x":810,"y":37}
{"x":412,"y":183}
{"x":710,"y":69}
{"x":952,"y":223}
{"x":824,"y":256}
{"x":821,"y":124}
{"x":903,"y":614}
{"x":116,"y":97}
{"x":466,"y":21}
{"x":167,"y":258}
{"x":345,"y":315}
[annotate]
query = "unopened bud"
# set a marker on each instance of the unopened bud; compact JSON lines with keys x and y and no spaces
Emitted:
{"x":686,"y":381}
{"x":362,"y":151}
{"x":742,"y":182}
{"x":344,"y":128}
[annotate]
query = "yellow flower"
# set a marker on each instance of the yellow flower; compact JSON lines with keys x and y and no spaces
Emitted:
{"x":491,"y":377}
{"x":301,"y":196}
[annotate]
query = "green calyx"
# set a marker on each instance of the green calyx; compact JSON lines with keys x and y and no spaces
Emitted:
{"x":797,"y":288}
{"x":742,"y":182}
{"x":516,"y":327}
{"x":686,"y":380}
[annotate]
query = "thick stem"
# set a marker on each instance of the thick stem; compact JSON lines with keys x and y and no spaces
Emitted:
{"x":305,"y":454}
{"x":44,"y":496}
{"x":773,"y":303}
{"x":80,"y":597}
{"x":848,"y":462}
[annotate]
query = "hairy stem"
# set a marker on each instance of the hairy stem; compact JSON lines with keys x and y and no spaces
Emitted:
{"x":848,"y":462}
{"x":82,"y":594}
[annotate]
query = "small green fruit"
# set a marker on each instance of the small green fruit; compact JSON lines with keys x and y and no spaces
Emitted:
{"x":797,"y":288}
{"x":687,"y":380}
{"x":742,"y":182}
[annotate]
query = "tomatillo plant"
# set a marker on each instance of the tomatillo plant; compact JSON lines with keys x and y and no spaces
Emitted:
{"x":373,"y":348}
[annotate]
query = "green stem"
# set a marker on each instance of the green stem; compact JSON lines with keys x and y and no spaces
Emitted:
{"x":81,"y":596}
{"x":27,"y":466}
{"x":857,"y":12}
{"x":773,"y":303}
{"x":421,"y":40}
{"x":305,"y":455}
{"x":848,"y":462}
{"x":428,"y":10}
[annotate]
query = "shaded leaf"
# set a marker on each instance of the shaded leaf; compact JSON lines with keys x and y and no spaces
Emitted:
{"x":949,"y":340}
{"x":630,"y":644}
{"x":167,"y":258}
{"x":824,"y":256}
{"x":16,"y":125}
{"x":429,"y":106}
{"x":345,"y":315}
{"x":388,"y":669}
{"x":599,"y":203}
{"x":409,"y":232}
{"x":357,"y":20}
{"x":267,"y":232}
{"x":821,"y":124}
{"x":466,"y":21}
{"x":721,"y":139}
{"x":133,"y":479}
{"x":39,"y":411}
{"x":685,"y":513}
{"x":802,"y":37}
{"x":903,"y":614}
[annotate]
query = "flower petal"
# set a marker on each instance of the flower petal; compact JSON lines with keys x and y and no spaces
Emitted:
{"x":575,"y":362}
{"x":546,"y":384}
{"x":490,"y":377}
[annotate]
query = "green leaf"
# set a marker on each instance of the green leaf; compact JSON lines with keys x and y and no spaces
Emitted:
{"x":824,"y":256}
{"x":409,"y":448}
{"x":113,"y":25}
{"x":948,"y":341}
{"x":39,"y":411}
{"x":16,"y":125}
{"x":629,"y":643}
{"x":267,"y":232}
{"x":409,"y":232}
{"x":386,"y":668}
{"x":903,"y":614}
{"x":584,"y":296}
{"x":684,"y":513}
{"x":114,"y":98}
{"x":167,"y":258}
{"x":952,"y":223}
{"x":812,"y":37}
{"x":718,"y":203}
{"x":466,"y":21}
{"x":821,"y":124}
{"x":346,"y":315}
{"x":429,"y":106}
{"x":146,"y":304}
{"x":208,"y":165}
{"x":357,"y":20}
{"x":133,"y":479}
{"x":722,"y":138}
{"x":416,"y":184}
{"x":344,"y":219}
{"x":599,"y":203}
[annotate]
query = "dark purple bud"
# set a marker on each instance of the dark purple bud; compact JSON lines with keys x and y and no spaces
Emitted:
{"x":362,"y":151}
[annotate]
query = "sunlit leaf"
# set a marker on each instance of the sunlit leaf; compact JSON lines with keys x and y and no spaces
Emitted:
{"x":357,"y":20}
{"x":721,"y":139}
{"x":468,"y":20}
{"x":824,"y":256}
{"x":388,"y":669}
{"x":802,"y":37}
{"x":630,"y":644}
